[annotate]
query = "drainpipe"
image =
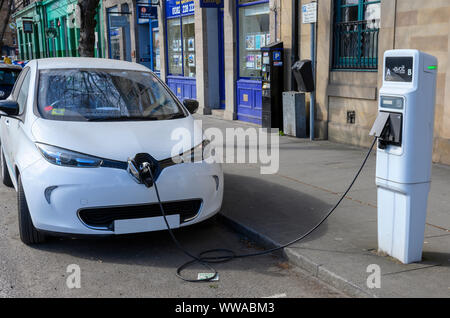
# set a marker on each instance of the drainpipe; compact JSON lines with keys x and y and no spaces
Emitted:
{"x":45,"y":25}
{"x":314,"y":68}
{"x":294,"y":53}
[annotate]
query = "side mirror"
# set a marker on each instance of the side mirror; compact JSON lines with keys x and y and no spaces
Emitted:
{"x":191,"y":105}
{"x":9,"y":107}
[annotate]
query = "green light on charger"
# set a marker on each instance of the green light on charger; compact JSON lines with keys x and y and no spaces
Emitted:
{"x":433,"y":67}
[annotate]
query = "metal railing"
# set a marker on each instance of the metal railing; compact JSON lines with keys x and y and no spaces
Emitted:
{"x":356,"y":45}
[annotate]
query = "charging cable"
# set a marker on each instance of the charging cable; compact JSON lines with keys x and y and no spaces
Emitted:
{"x":215,"y":256}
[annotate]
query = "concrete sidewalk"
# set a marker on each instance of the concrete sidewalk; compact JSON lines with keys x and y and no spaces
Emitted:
{"x":278,"y":208}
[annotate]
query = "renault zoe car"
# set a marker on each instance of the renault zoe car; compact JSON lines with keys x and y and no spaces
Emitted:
{"x":68,"y":131}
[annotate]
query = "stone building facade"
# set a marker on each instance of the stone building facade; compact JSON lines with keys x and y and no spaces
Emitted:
{"x":213,"y":54}
{"x":403,"y":24}
{"x":51,"y":28}
{"x":352,"y":36}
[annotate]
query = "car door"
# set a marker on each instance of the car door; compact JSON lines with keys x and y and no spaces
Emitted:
{"x":16,"y":123}
{"x":6,"y":121}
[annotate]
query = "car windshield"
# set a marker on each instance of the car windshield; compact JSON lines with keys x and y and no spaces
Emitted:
{"x":8,"y":77}
{"x":104,"y":95}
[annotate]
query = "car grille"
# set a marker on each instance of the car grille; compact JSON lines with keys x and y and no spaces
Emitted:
{"x":104,"y":217}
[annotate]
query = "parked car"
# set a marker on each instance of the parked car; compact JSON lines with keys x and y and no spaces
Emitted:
{"x":68,"y":129}
{"x":8,"y":76}
{"x":22,"y":64}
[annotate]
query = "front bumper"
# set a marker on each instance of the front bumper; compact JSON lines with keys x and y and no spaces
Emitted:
{"x":56,"y":194}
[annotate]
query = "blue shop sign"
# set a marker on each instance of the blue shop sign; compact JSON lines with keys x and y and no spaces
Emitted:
{"x":175,"y":8}
{"x":147,"y":12}
{"x":211,"y":3}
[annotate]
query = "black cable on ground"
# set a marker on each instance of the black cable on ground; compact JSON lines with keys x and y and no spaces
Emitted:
{"x":226,"y":255}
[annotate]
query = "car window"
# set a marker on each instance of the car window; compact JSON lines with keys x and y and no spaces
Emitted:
{"x":23,"y":93}
{"x":18,"y":83}
{"x":8,"y":77}
{"x":104,"y":95}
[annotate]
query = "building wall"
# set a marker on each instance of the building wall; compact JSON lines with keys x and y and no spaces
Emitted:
{"x":31,"y":45}
{"x":412,"y":24}
{"x":47,"y":15}
{"x":425,"y":25}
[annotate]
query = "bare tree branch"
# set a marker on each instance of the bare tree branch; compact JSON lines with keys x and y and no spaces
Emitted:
{"x":5,"y":21}
{"x":88,"y":11}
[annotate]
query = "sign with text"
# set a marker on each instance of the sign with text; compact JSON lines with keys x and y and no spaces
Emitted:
{"x":118,"y":21}
{"x":211,"y":3}
{"x":175,"y":8}
{"x":27,"y":26}
{"x":399,"y":69}
{"x":309,"y":13}
{"x":145,"y":13}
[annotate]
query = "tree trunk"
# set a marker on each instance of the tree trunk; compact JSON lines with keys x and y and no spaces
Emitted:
{"x":88,"y":11}
{"x":5,"y":21}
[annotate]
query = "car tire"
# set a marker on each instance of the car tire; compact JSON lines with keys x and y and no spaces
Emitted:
{"x":28,"y":233}
{"x":6,"y":178}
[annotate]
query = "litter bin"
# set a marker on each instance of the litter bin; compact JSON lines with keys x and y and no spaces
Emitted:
{"x":294,"y":114}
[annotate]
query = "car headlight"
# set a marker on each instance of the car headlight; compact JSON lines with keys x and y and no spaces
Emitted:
{"x":67,"y":158}
{"x":196,"y":154}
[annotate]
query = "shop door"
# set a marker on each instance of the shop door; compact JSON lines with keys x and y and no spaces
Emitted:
{"x":156,"y":55}
{"x":119,"y":33}
{"x":144,"y":44}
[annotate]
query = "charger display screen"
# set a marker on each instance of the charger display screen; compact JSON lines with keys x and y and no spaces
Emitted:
{"x":399,"y":69}
{"x":391,"y":102}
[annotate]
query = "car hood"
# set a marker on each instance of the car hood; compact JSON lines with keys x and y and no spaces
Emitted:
{"x":120,"y":140}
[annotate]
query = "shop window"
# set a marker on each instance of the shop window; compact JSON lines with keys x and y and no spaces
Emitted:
{"x":181,"y":38}
{"x":156,"y":51}
{"x":119,"y":32}
{"x":254,"y":33}
{"x":174,"y":47}
{"x":355,"y":39}
{"x":189,"y":45}
{"x":114,"y":35}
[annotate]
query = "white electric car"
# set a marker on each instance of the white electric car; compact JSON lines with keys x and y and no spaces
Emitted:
{"x":68,"y":131}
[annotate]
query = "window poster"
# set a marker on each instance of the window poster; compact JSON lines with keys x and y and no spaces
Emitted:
{"x":250,"y":42}
{"x":257,"y":42}
{"x":258,"y":61}
{"x":250,"y":61}
{"x":263,"y":40}
{"x":191,"y":44}
{"x":176,"y":45}
{"x":158,"y":62}
{"x":176,"y":59}
{"x":191,"y":59}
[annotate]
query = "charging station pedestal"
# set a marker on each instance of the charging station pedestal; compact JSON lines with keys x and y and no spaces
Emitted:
{"x":405,"y":126}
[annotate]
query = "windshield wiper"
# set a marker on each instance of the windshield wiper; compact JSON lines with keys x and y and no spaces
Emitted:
{"x":122,"y":118}
{"x":138,"y":118}
{"x":175,"y":116}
